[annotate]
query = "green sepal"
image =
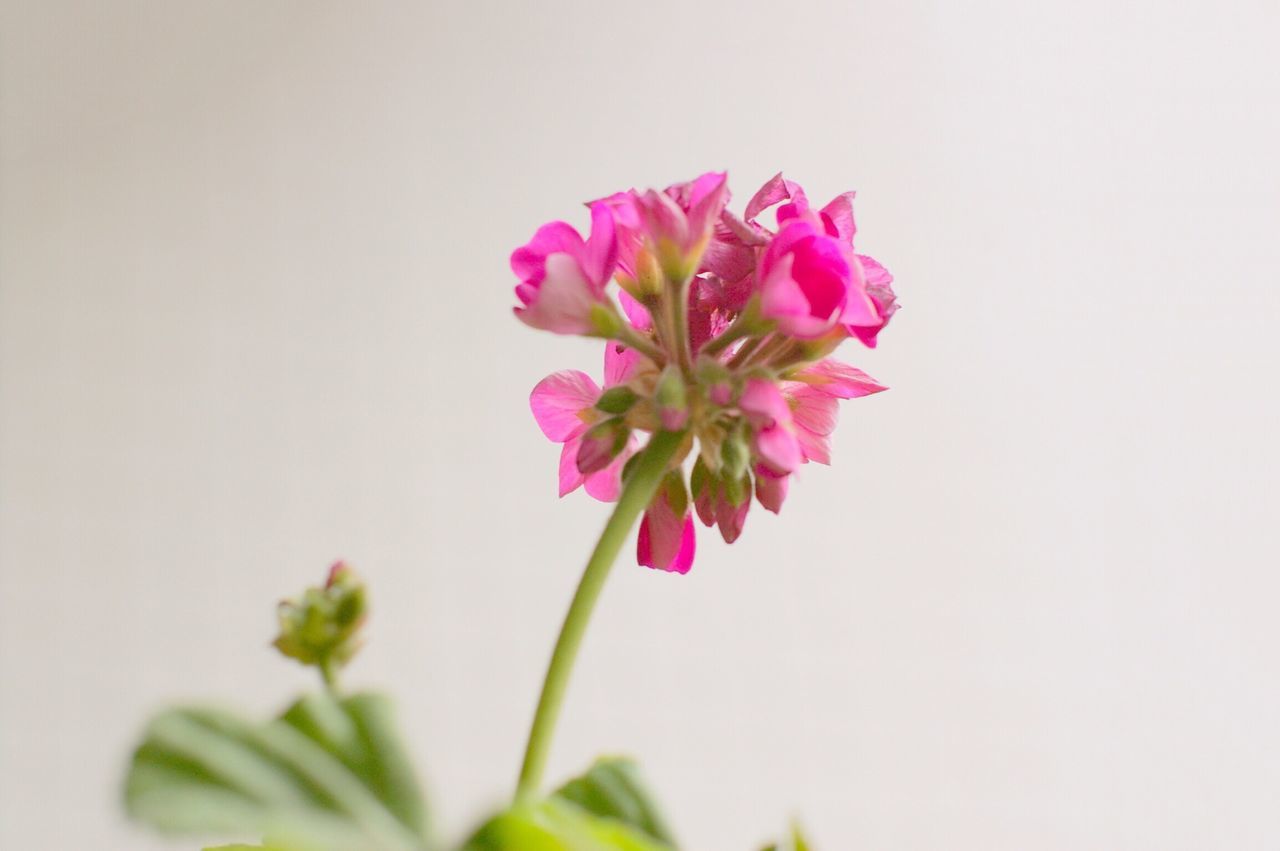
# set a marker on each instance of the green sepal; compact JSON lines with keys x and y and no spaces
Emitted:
{"x":555,"y":824}
{"x":616,"y":400}
{"x":612,"y":788}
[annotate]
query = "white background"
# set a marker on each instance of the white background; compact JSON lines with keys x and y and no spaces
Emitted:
{"x":255,"y":315}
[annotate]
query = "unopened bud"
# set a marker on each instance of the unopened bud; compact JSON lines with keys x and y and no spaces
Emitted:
{"x":600,"y":445}
{"x":671,"y":399}
{"x":735,"y":453}
{"x":605,"y":321}
{"x":322,"y":628}
{"x":702,"y":489}
{"x":616,"y":400}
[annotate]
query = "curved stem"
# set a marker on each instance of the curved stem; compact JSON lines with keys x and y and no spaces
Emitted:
{"x":631,"y":338}
{"x":636,"y":493}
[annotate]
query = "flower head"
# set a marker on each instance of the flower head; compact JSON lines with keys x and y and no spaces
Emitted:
{"x":724,"y":335}
{"x":563,"y":277}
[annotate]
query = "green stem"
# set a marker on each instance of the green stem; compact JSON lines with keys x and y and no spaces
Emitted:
{"x":629,"y":337}
{"x":636,"y":493}
{"x":680,"y":327}
{"x":329,"y":673}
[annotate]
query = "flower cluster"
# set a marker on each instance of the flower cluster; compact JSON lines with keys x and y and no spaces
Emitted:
{"x":723,"y":331}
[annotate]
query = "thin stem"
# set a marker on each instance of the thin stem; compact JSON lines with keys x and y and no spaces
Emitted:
{"x":629,"y":337}
{"x":329,"y":673}
{"x":748,"y":348}
{"x":746,"y":324}
{"x":680,"y":327}
{"x":636,"y":494}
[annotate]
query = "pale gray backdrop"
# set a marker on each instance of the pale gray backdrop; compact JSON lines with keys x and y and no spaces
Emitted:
{"x":255,"y":314}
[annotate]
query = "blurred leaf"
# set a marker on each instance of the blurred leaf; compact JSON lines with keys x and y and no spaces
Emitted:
{"x":329,"y":776}
{"x":797,"y":841}
{"x":558,"y":825}
{"x":612,"y":789}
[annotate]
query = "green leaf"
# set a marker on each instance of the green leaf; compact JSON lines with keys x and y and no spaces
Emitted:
{"x":557,"y":825}
{"x":796,"y":842}
{"x":613,"y":789}
{"x":328,"y":776}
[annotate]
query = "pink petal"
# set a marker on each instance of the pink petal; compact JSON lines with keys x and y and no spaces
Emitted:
{"x":666,"y":541}
{"x":606,"y":485}
{"x":839,"y":379}
{"x":763,"y":403}
{"x":559,"y":402}
{"x":813,"y":409}
{"x":563,"y":302}
{"x":528,"y":261}
{"x":620,"y":363}
{"x":771,"y":489}
{"x":813,"y":446}
{"x":707,"y":196}
{"x":731,"y":518}
{"x":779,"y":448}
{"x":636,"y":312}
{"x":838,"y":215}
{"x":775,"y":189}
{"x":600,"y":254}
{"x":570,"y":476}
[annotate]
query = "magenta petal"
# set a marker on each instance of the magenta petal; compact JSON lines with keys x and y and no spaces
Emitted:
{"x":600,"y":254}
{"x":620,"y":364}
{"x":839,"y":213}
{"x":571,"y":477}
{"x":763,"y":403}
{"x":637,"y":314}
{"x":707,"y":196}
{"x":606,"y":485}
{"x":559,"y":400}
{"x":528,"y":260}
{"x":773,"y":191}
{"x":666,"y":542}
{"x":688,"y":545}
{"x":564,"y":301}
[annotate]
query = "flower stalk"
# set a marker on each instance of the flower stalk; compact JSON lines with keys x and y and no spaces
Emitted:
{"x":647,"y":473}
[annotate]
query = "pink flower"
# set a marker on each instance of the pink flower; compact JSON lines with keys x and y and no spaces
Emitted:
{"x":869,"y":299}
{"x":769,"y":414}
{"x":809,"y":281}
{"x":666,"y":540}
{"x":737,"y":372}
{"x":675,"y":224}
{"x":563,"y":404}
{"x":562,"y":277}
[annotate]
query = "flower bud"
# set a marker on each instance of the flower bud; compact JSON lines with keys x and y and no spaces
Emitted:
{"x":616,"y":400}
{"x":735,"y":453}
{"x":731,"y":508}
{"x":322,"y":627}
{"x":604,"y":321}
{"x":672,"y":401}
{"x":601,"y":444}
{"x":702,"y":488}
